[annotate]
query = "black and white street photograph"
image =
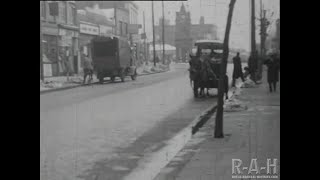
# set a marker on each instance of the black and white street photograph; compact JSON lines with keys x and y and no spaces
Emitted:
{"x":160,"y":90}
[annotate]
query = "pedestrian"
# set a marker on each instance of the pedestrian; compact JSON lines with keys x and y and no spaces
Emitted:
{"x":273,"y":65}
{"x":87,"y":68}
{"x":237,"y":69}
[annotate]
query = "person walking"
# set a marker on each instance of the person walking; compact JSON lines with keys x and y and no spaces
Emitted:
{"x":273,"y":65}
{"x":237,"y":69}
{"x":87,"y":68}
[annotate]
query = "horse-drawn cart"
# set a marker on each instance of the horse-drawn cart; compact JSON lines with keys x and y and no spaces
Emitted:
{"x":205,"y":63}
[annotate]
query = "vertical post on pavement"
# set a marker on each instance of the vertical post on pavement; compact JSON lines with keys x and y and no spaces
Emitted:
{"x":115,"y":18}
{"x":41,"y":56}
{"x":144,"y":41}
{"x":163,"y":50}
{"x":218,"y":132}
{"x":253,"y":37}
{"x":153,"y":36}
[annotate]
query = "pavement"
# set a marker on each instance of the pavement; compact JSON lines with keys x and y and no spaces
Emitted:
{"x":252,"y":133}
{"x":58,"y":83}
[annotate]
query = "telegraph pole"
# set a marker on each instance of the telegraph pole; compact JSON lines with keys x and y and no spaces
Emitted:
{"x":253,"y":32}
{"x":262,"y":42}
{"x":253,"y":28}
{"x":41,"y":57}
{"x":144,"y":41}
{"x":163,"y":50}
{"x":153,"y":36}
{"x":218,"y":132}
{"x":115,"y":18}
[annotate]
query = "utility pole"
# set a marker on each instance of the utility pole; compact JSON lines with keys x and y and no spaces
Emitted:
{"x":41,"y":57}
{"x":262,"y":40}
{"x":254,"y":56}
{"x":144,"y":41}
{"x":163,"y":50}
{"x":218,"y":132}
{"x":264,"y":23}
{"x":153,"y":36}
{"x":253,"y":28}
{"x":115,"y":18}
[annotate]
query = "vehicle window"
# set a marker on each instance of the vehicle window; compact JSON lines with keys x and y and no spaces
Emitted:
{"x":218,"y":51}
{"x":102,"y":49}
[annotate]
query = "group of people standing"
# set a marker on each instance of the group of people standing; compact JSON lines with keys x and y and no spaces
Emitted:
{"x":272,"y":63}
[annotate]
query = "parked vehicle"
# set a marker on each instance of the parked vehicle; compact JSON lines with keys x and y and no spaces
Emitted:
{"x":196,"y":72}
{"x":112,"y":57}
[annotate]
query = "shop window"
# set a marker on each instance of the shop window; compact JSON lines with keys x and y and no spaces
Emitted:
{"x":71,"y":14}
{"x":50,"y":47}
{"x":74,"y":15}
{"x":42,"y":9}
{"x":49,"y":17}
{"x":63,"y":17}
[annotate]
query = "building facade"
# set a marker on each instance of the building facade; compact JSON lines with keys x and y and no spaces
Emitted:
{"x":126,"y":13}
{"x":183,"y":39}
{"x":92,"y":25}
{"x":179,"y":36}
{"x":60,"y":34}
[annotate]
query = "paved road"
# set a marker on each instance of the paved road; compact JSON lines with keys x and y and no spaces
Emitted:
{"x":84,"y":126}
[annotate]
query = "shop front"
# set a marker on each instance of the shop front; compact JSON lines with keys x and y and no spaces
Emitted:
{"x":68,"y":48}
{"x":50,"y":34}
{"x":87,"y":32}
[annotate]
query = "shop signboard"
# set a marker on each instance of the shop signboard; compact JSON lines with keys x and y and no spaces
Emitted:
{"x":89,"y":29}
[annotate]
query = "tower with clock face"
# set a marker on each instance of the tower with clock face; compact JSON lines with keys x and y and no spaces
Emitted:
{"x":183,"y":40}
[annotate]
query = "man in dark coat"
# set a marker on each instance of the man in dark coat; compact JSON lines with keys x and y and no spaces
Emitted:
{"x":237,"y":70}
{"x":273,"y":65}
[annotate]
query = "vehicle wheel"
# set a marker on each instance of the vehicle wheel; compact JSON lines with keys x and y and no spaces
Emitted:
{"x":134,"y":77}
{"x":112,"y":78}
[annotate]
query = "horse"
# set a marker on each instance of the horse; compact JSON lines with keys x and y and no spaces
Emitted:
{"x":200,"y":79}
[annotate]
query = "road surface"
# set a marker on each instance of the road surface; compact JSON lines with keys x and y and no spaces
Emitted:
{"x":100,"y":131}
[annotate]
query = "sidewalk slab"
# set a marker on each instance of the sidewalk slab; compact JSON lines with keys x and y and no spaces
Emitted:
{"x":254,"y":133}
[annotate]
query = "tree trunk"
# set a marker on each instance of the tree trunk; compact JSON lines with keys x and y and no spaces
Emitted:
{"x":218,"y":132}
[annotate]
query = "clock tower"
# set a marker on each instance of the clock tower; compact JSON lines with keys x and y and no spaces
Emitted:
{"x":183,"y":40}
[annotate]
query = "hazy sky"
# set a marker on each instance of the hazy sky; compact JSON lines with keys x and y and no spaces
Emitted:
{"x":214,"y":11}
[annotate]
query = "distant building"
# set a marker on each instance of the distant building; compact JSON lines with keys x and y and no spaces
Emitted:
{"x":183,"y":34}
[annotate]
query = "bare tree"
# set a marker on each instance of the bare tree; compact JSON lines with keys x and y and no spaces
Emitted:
{"x":218,"y":132}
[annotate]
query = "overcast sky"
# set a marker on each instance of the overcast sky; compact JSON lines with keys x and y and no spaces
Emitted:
{"x":215,"y":12}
